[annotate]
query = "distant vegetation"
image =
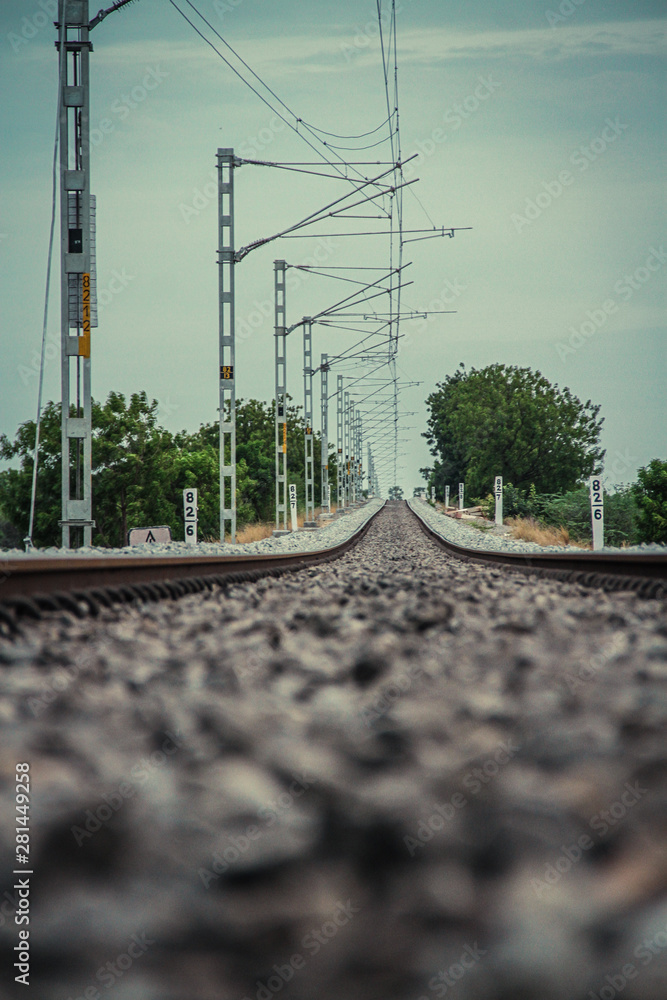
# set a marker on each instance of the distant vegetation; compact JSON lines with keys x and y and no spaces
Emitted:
{"x":510,"y":422}
{"x":140,"y":470}
{"x":544,"y":442}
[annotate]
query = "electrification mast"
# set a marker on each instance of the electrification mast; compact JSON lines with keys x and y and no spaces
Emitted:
{"x":78,"y":292}
{"x":76,"y":271}
{"x":227,"y":415}
{"x":280,"y":334}
{"x":324,"y":455}
{"x":308,"y":418}
{"x":340,"y":443}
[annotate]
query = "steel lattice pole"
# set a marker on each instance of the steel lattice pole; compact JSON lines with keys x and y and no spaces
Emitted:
{"x":324,"y":426}
{"x":309,"y":521}
{"x":280,"y":394}
{"x":77,"y":263}
{"x":227,"y":415}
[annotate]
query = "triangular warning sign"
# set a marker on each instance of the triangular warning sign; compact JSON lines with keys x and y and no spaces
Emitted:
{"x":150,"y":537}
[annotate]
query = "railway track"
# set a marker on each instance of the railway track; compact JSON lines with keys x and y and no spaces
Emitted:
{"x":29,"y":588}
{"x":399,"y":775}
{"x":82,"y":585}
{"x":646,"y":574}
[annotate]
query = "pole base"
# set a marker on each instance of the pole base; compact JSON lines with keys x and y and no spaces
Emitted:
{"x":279,"y":532}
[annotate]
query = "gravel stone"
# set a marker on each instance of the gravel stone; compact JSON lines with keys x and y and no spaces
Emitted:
{"x":397,"y":777}
{"x":464,"y":533}
{"x":333,"y":533}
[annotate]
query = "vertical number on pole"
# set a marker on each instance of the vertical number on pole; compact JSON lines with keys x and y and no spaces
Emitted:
{"x":292,"y":505}
{"x":190,"y":515}
{"x":597,"y":511}
{"x":498,"y":493}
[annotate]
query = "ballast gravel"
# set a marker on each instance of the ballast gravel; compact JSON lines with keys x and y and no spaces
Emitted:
{"x":462,"y":533}
{"x":338,"y":530}
{"x":396,"y":777}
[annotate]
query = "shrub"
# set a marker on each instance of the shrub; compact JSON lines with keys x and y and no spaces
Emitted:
{"x":650,"y":495}
{"x":573,"y":511}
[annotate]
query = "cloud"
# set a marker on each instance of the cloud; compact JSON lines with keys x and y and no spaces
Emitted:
{"x":636,"y":38}
{"x":334,"y":50}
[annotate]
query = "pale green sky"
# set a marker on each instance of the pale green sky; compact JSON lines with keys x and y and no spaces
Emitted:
{"x":542,"y":127}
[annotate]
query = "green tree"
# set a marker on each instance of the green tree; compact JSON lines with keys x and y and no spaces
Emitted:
{"x":650,"y":493}
{"x":509,"y":421}
{"x":16,"y":484}
{"x":133,"y":468}
{"x":140,"y":471}
{"x":395,"y":493}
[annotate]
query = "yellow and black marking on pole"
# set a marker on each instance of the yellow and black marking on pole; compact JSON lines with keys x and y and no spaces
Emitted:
{"x":285,"y":438}
{"x":84,"y":341}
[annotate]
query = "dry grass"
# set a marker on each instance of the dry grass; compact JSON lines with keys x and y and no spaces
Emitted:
{"x":529,"y":530}
{"x":264,"y":529}
{"x":254,"y":532}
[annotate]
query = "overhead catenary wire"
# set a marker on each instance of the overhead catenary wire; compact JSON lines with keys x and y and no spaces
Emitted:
{"x":388,"y":199}
{"x":242,"y":78}
{"x":261,"y":82}
{"x":335,"y":135}
{"x":38,"y":422}
{"x":320,"y":215}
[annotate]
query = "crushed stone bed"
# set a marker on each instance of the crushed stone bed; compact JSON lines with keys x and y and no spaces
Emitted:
{"x":337,"y":531}
{"x":462,"y":533}
{"x":400,"y":776}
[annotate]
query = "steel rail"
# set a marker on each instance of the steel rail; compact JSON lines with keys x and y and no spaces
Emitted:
{"x":644,"y":574}
{"x":81,"y":584}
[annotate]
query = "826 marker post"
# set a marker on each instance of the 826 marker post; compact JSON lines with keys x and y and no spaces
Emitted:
{"x":597,"y":512}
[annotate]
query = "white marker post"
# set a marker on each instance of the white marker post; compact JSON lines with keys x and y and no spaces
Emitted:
{"x":446,"y":497}
{"x":461,"y":489}
{"x":433,"y":494}
{"x":190,"y":516}
{"x":597,"y":512}
{"x":292,"y":505}
{"x":498,"y":493}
